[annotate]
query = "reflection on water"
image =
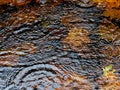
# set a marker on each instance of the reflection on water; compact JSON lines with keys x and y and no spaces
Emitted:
{"x":60,"y":46}
{"x":47,"y":77}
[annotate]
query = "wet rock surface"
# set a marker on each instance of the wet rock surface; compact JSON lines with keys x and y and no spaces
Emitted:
{"x":31,"y":40}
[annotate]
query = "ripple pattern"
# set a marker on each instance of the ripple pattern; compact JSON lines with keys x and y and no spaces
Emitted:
{"x":45,"y":77}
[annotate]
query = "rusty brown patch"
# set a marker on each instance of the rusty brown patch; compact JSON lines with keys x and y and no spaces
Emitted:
{"x":112,"y":3}
{"x":70,"y":19}
{"x":4,"y":2}
{"x":76,"y":38}
{"x":112,"y":13}
{"x":21,"y":18}
{"x":111,"y":51}
{"x":109,"y":31}
{"x":112,"y":8}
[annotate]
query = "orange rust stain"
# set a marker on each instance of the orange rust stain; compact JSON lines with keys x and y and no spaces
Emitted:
{"x":112,"y":13}
{"x":111,"y":3}
{"x":70,"y":19}
{"x":112,"y":8}
{"x":4,"y":2}
{"x":76,"y":38}
{"x":111,"y":51}
{"x":109,"y":31}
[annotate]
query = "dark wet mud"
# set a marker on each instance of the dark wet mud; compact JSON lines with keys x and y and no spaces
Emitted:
{"x":35,"y":53}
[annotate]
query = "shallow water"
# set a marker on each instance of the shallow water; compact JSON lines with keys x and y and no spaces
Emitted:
{"x":32,"y":36}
